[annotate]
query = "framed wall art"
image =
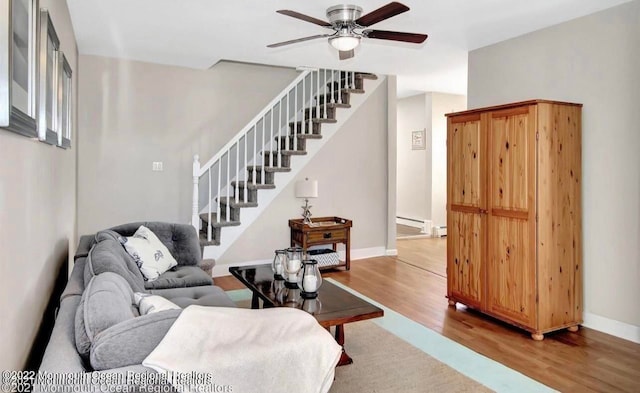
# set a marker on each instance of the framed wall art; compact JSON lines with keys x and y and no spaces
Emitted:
{"x":19,"y":66}
{"x":418,"y":140}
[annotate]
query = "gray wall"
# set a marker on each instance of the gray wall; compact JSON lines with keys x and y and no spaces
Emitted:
{"x":351,"y":170}
{"x":37,"y":219}
{"x":414,"y":166}
{"x":134,"y":113}
{"x":594,"y":60}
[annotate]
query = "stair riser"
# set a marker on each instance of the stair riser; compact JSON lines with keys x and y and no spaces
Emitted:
{"x":323,"y":113}
{"x":252,"y":194}
{"x":300,"y":129}
{"x":277,"y":160}
{"x":346,"y":84}
{"x":233,"y":212}
{"x":215,"y":232}
{"x":300,"y":145}
{"x":346,"y":97}
{"x":268,"y":176}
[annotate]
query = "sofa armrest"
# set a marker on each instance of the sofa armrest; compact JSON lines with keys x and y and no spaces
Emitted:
{"x":84,"y":246}
{"x":207,"y":265}
{"x":131,"y":341}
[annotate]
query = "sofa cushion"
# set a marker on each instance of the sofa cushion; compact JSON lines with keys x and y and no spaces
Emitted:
{"x":151,"y":256}
{"x":131,"y":341}
{"x":201,"y":296}
{"x":108,"y":255}
{"x":181,"y":240}
{"x":179,"y":277}
{"x":106,"y":301}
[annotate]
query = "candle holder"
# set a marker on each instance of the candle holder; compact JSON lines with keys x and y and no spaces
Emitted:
{"x":312,"y":306}
{"x":309,"y":279}
{"x":279,"y":260}
{"x":292,"y":267}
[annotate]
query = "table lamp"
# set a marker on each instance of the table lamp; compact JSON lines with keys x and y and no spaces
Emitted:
{"x":306,"y":189}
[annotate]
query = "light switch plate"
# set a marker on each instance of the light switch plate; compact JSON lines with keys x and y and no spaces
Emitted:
{"x":157,"y":166}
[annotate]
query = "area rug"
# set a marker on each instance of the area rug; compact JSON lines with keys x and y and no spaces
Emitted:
{"x":396,"y":354}
{"x":385,"y":363}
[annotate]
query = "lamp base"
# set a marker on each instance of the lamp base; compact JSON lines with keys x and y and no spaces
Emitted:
{"x":306,"y":212}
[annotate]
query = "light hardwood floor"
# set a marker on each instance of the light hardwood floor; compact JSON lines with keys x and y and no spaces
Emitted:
{"x":586,"y":361}
{"x":425,"y":253}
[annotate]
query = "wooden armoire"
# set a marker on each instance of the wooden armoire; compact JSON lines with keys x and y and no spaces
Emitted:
{"x":514,"y":221}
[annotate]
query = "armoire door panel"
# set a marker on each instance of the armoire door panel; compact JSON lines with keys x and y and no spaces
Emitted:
{"x":465,"y":256}
{"x":509,"y":161}
{"x":464,"y":169}
{"x":511,"y":274}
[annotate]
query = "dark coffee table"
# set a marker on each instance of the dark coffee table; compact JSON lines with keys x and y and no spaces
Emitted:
{"x":333,"y":307}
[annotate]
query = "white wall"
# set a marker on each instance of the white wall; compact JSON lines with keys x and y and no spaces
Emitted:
{"x":594,"y":60}
{"x":37,"y":219}
{"x":351,"y":170}
{"x":422,"y":174}
{"x":134,"y":113}
{"x":414,"y":166}
{"x":440,"y":105}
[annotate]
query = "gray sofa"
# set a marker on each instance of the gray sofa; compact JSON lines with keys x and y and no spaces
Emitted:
{"x":98,"y":327}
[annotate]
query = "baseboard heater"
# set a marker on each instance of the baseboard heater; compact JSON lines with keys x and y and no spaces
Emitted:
{"x":440,"y":231}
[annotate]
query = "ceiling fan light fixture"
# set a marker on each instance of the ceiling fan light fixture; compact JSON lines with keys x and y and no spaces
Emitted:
{"x":344,"y":42}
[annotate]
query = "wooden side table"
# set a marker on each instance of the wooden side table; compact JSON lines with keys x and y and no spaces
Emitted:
{"x":323,"y":230}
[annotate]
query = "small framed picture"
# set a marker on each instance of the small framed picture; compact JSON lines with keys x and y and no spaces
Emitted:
{"x":418,"y":141}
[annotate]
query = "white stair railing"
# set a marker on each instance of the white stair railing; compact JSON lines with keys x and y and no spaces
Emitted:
{"x":248,"y":150}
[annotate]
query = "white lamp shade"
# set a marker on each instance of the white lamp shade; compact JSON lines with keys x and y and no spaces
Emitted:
{"x":344,"y":43}
{"x":307,"y":189}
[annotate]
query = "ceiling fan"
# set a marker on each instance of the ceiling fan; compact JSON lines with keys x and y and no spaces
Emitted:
{"x":345,"y":20}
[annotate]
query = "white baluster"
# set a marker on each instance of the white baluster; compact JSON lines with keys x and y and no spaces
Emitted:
{"x":324,"y":89}
{"x":295,"y":111}
{"x":278,"y":144}
{"x":286,"y":143}
{"x":333,"y":87}
{"x":303,"y":105}
{"x":264,"y":119}
{"x":246,"y":169}
{"x":255,"y":160}
{"x":340,"y":73}
{"x":195,"y":217}
{"x":237,"y":176}
{"x":209,"y":228}
{"x":353,"y":80}
{"x":219,"y":196}
{"x":228,"y":187}
{"x":317,"y":95}
{"x":271,"y":153}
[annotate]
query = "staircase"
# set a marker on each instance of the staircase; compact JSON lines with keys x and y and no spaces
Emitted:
{"x":251,"y":161}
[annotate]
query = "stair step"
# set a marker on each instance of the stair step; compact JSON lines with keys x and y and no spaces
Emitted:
{"x":290,"y":152}
{"x":204,"y":242}
{"x":272,"y":169}
{"x":337,"y":94}
{"x":214,"y":221}
{"x":252,"y":186}
{"x":300,"y":136}
{"x":235,"y":205}
{"x":324,"y":111}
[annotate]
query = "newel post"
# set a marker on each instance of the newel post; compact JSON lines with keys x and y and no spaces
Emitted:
{"x":195,"y":217}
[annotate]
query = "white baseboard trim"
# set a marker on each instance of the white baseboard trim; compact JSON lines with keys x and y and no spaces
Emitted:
{"x":423,"y":225}
{"x":611,"y":326}
{"x":391,"y":252}
{"x":360,"y":253}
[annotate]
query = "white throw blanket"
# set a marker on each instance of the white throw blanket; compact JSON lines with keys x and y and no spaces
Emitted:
{"x":269,"y":350}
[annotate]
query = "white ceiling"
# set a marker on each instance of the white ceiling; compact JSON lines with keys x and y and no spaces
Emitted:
{"x":199,"y":33}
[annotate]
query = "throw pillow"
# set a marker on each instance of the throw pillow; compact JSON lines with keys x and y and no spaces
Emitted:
{"x":148,"y":303}
{"x":151,"y":256}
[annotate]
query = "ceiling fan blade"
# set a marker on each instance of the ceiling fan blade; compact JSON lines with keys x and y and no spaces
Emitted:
{"x":313,"y":37}
{"x":382,"y":13}
{"x":304,"y":17}
{"x":395,"y":36}
{"x":346,"y":54}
